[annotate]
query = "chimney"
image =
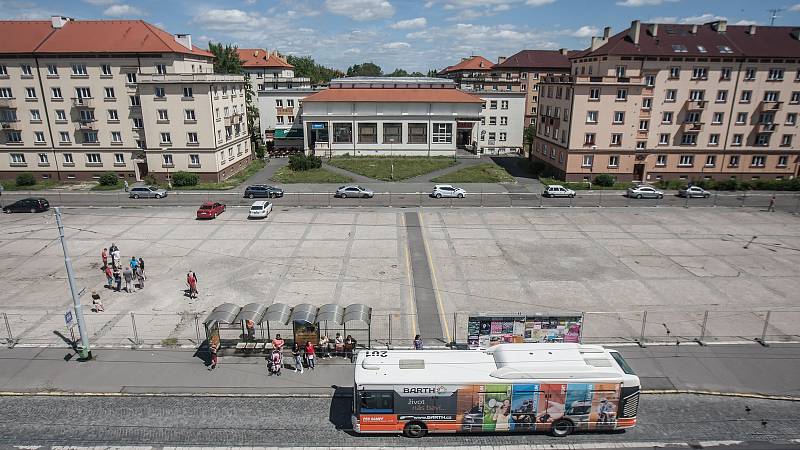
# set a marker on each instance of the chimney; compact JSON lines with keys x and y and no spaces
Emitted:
{"x":654,"y":29}
{"x":596,"y":43}
{"x":563,"y":51}
{"x":59,"y":21}
{"x":751,"y":29}
{"x":694,"y":29}
{"x":606,"y":33}
{"x":500,"y":60}
{"x":721,"y":26}
{"x":633,"y":32}
{"x":184,"y":39}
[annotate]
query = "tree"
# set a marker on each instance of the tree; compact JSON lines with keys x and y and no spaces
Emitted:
{"x":367,"y":69}
{"x":417,"y":74}
{"x":226,"y":58}
{"x":528,"y":134}
{"x":252,"y":111}
{"x":305,"y":66}
{"x":399,"y":73}
{"x":433,"y":73}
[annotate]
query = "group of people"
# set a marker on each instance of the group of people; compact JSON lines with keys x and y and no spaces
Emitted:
{"x":132,"y":273}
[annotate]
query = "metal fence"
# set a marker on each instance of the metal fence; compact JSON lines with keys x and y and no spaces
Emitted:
{"x":642,"y":327}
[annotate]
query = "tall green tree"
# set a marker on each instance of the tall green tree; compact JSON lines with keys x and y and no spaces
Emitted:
{"x":305,"y":66}
{"x":399,"y":73}
{"x":367,"y":69}
{"x":226,"y":58}
{"x":252,"y":113}
{"x":433,"y":73}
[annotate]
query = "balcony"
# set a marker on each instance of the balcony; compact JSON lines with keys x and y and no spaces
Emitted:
{"x":83,"y":102}
{"x":641,"y":134}
{"x":770,"y":105}
{"x":9,"y":124}
{"x":284,"y":111}
{"x":692,"y":126}
{"x":10,"y":103}
{"x":87,"y":125}
{"x":766,"y":127}
{"x":599,"y":80}
{"x":695,"y":104}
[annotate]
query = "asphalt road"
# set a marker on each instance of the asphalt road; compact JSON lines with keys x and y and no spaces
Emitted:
{"x":785,"y":201}
{"x":227,"y":421}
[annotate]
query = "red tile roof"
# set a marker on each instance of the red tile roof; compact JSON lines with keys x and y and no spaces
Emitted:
{"x":411,"y":95}
{"x":471,"y":64}
{"x":536,"y":59}
{"x":258,"y":57}
{"x":766,"y":42}
{"x":91,"y":36}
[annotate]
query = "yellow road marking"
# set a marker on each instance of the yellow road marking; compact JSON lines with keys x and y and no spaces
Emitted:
{"x":433,"y":278}
{"x":411,"y":300}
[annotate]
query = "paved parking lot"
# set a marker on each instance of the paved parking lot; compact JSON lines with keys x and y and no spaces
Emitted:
{"x":612,"y":263}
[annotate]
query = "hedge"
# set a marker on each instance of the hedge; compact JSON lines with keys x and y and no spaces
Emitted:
{"x":26,"y":179}
{"x":182,"y":178}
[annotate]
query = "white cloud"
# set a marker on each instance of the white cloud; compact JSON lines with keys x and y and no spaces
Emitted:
{"x":703,"y":18}
{"x":746,"y":22}
{"x":250,"y":2}
{"x":396,"y":45}
{"x":585,"y":31}
{"x":539,"y":2}
{"x":502,"y":7}
{"x":361,"y":9}
{"x":637,"y":3}
{"x":795,"y":8}
{"x":467,"y":14}
{"x":230,"y":20}
{"x":123,"y":10}
{"x":100,"y":2}
{"x":419,"y":22}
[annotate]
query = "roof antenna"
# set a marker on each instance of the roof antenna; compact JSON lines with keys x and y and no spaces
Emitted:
{"x":774,"y":15}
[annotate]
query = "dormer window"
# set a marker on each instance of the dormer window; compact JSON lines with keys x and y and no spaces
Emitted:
{"x":724,"y":49}
{"x":679,"y":48}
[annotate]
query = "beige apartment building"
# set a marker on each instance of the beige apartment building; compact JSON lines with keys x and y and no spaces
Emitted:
{"x":667,"y":101}
{"x":80,"y":98}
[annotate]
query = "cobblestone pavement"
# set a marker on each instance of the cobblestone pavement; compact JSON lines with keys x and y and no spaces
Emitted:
{"x":325,"y":422}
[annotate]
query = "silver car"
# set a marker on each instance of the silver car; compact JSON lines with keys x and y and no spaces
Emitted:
{"x":644,"y":192}
{"x":445,"y":190}
{"x":353,"y":191}
{"x":694,"y":192}
{"x":147,"y":192}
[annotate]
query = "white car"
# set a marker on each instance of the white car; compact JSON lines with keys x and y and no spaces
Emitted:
{"x":353,"y":192}
{"x":445,"y":190}
{"x":694,"y":192}
{"x":556,"y":190}
{"x":260,"y":209}
{"x":644,"y":192}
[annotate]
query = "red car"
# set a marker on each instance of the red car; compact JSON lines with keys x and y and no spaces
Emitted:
{"x":210,"y":210}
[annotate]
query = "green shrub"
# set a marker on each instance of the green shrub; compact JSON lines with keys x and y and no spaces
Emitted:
{"x":109,"y":179}
{"x":604,"y":179}
{"x":26,"y":179}
{"x":182,"y":178}
{"x":150,"y":180}
{"x":302,"y":162}
{"x":260,"y":151}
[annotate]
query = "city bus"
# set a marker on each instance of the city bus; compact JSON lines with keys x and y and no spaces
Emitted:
{"x":554,"y":387}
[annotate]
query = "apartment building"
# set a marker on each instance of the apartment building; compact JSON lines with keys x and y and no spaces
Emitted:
{"x":390,"y":116}
{"x":669,"y":101}
{"x":79,"y":98}
{"x":502,"y":116}
{"x":526,"y":69}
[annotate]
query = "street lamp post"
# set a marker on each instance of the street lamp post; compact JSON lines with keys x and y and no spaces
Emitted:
{"x":166,"y":166}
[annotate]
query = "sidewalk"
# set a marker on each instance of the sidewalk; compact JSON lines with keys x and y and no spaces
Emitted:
{"x":723,"y":368}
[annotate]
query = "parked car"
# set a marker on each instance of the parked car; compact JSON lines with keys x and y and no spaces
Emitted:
{"x":694,"y":192}
{"x":556,"y":190}
{"x":262,"y":190}
{"x":147,"y":192}
{"x":644,"y":192}
{"x":260,"y":209}
{"x":32,"y":205}
{"x":353,"y":191}
{"x":209,"y":210}
{"x":445,"y":190}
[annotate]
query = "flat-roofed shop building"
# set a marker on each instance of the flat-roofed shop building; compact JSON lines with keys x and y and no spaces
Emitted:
{"x":390,"y":116}
{"x":674,"y":101}
{"x":82,"y":97}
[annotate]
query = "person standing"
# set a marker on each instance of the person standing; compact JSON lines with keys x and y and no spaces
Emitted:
{"x":127,"y":273}
{"x":278,"y":343}
{"x":117,"y":279}
{"x":104,"y":256}
{"x":338,"y":345}
{"x":418,"y":342}
{"x":213,"y":347}
{"x":310,"y":355}
{"x":134,"y":263}
{"x":116,"y":258}
{"x":126,"y":185}
{"x":139,"y":276}
{"x":251,"y":330}
{"x":350,"y":347}
{"x":323,"y":345}
{"x":771,"y":207}
{"x":141,"y":266}
{"x":109,"y":277}
{"x":97,"y":305}
{"x":298,"y":358}
{"x":191,"y":280}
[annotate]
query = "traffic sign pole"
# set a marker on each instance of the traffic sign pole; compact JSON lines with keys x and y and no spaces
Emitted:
{"x":85,"y":352}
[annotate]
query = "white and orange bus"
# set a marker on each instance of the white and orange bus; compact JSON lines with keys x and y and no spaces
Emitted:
{"x":557,"y":388}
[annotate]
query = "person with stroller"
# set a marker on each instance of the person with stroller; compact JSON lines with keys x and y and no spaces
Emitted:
{"x":275,"y":362}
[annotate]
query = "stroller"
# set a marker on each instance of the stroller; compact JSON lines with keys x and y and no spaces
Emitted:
{"x":275,"y":363}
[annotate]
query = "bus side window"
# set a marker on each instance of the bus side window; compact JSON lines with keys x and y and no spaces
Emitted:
{"x":377,"y":402}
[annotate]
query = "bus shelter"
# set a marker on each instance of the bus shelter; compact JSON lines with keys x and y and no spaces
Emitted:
{"x":304,"y":324}
{"x":275,"y":321}
{"x":357,"y":321}
{"x":220,"y":322}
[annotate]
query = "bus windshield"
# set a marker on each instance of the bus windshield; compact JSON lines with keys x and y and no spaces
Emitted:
{"x":622,"y":363}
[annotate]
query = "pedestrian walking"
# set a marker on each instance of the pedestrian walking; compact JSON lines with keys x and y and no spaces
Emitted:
{"x":278,"y":342}
{"x":191,"y":280}
{"x":127,"y":274}
{"x":104,"y":256}
{"x":126,"y":185}
{"x":109,"y":277}
{"x":139,"y":277}
{"x":771,"y":204}
{"x":310,"y":355}
{"x":141,"y":266}
{"x":298,"y":358}
{"x":134,"y":263}
{"x":117,"y":279}
{"x":213,"y":347}
{"x":418,"y":342}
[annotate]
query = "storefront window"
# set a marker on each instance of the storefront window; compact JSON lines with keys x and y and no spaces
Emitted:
{"x":367,"y":133}
{"x":418,"y":133}
{"x":342,"y":133}
{"x":392,"y":133}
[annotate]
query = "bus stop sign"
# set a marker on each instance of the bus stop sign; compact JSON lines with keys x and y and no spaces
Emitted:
{"x":69,"y":319}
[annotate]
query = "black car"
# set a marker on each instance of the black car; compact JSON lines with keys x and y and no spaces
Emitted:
{"x":262,"y":190}
{"x":27,"y":205}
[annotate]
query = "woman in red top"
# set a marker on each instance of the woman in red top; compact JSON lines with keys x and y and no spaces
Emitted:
{"x":191,"y":280}
{"x":310,"y":355}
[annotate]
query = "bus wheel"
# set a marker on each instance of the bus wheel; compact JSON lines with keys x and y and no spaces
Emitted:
{"x":562,"y":427}
{"x":415,"y":430}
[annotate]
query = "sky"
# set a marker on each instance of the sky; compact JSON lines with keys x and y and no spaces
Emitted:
{"x":409,"y":34}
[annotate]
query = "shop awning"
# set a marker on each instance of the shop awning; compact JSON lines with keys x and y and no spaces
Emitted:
{"x":292,"y":133}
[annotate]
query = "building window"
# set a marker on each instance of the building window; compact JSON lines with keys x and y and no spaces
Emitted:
{"x":717,"y":118}
{"x":119,"y":159}
{"x":135,"y":101}
{"x":417,"y":133}
{"x":722,"y":96}
{"x":725,"y":73}
{"x":138,"y":122}
{"x":686,"y":160}
{"x":666,"y":117}
{"x":650,"y":80}
{"x":613,"y":161}
{"x":783,"y":160}
{"x":191,"y":138}
{"x":342,"y":133}
{"x":493,"y":104}
{"x":671,"y":95}
{"x":591,"y":117}
{"x":661,"y":160}
{"x":161,"y":69}
{"x":167,"y":159}
{"x":588,"y":139}
{"x":619,"y":117}
{"x":79,"y":69}
{"x":692,"y":117}
{"x":697,"y":95}
{"x":504,"y":104}
{"x":442,"y":133}
{"x":762,"y":139}
{"x":746,"y":97}
{"x":644,"y":125}
{"x":622,"y":95}
{"x":30,"y":92}
{"x":750,"y":74}
{"x":713,"y":139}
{"x":93,"y":158}
{"x":594,"y":94}
{"x":17,"y":158}
{"x":160,"y":92}
{"x":163,"y":115}
{"x":68,"y":158}
{"x":63,"y":137}
{"x":188,"y":93}
{"x":616,"y":139}
{"x":90,"y":137}
{"x":663,"y":139}
{"x":758,"y":161}
{"x":279,"y":120}
{"x":737,"y":139}
{"x":189,"y":115}
{"x":674,"y":72}
{"x":194,"y":160}
{"x":52,"y":70}
{"x":56,"y":93}
{"x":290,"y":103}
{"x":503,"y":136}
{"x":775,"y":75}
{"x":771,"y":96}
{"x":700,"y":73}
{"x":38,"y":137}
{"x":791,"y":118}
{"x":392,"y":133}
{"x":492,"y":120}
{"x":367,"y":133}
{"x":166,"y":138}
{"x":741,"y":118}
{"x":711,"y":160}
{"x":689,"y":139}
{"x":795,"y":98}
{"x":105,"y":69}
{"x":734,"y":161}
{"x":588,"y":160}
{"x":786,"y":140}
{"x":131,"y":77}
{"x":116,"y":137}
{"x":503,"y":120}
{"x":110,"y":92}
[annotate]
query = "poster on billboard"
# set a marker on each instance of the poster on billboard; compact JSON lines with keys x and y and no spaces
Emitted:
{"x":486,"y":331}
